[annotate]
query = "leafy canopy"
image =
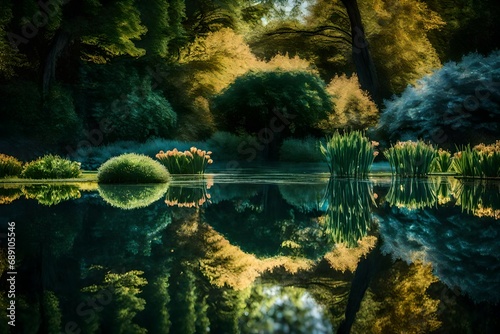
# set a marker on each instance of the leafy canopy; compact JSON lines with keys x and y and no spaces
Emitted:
{"x":249,"y":104}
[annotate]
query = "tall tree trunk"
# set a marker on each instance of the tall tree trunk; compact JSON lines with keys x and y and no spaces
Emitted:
{"x":360,"y":51}
{"x":60,"y":41}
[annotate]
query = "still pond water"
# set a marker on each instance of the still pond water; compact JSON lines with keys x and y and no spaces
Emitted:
{"x":254,"y":253}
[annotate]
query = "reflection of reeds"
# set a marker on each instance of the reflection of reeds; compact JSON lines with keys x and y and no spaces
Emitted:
{"x":49,"y":194}
{"x":348,"y":216}
{"x":479,"y":198}
{"x":189,"y":195}
{"x":412,"y":193}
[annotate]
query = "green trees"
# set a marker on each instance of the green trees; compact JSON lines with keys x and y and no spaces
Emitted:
{"x":254,"y":100}
{"x":272,"y":105}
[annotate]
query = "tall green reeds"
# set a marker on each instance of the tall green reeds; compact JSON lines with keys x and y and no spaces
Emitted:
{"x":349,"y":155}
{"x":442,"y":162}
{"x":410,"y":159}
{"x":478,"y":162}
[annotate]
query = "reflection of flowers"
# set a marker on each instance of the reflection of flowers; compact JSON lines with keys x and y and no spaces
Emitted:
{"x":348,"y":216}
{"x":189,"y":195}
{"x":49,"y":195}
{"x":132,"y":196}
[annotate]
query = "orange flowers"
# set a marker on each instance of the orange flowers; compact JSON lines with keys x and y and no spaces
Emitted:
{"x":194,"y":161}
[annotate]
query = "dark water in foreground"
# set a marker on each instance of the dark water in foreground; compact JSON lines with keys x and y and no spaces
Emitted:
{"x":254,"y":253}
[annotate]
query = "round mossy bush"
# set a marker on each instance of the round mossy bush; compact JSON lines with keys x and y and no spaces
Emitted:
{"x":132,"y":168}
{"x":132,"y":196}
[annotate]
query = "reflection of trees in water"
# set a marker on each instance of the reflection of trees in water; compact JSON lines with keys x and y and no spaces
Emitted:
{"x":398,"y":302}
{"x":276,"y":309}
{"x":261,"y":222}
{"x":348,"y":217}
{"x":464,"y":250}
{"x":304,"y":197}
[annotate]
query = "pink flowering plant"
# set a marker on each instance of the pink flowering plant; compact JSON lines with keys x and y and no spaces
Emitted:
{"x":194,"y":161}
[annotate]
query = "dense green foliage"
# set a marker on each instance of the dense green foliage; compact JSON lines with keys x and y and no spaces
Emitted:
{"x":80,"y":74}
{"x":272,"y":104}
{"x":10,"y":166}
{"x":349,"y":155}
{"x":457,"y":104}
{"x":411,"y":158}
{"x":51,"y":167}
{"x":132,"y":168}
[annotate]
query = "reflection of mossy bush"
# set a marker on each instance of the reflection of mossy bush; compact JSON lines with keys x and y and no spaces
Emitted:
{"x":51,"y":167}
{"x":132,"y":168}
{"x":9,"y":195}
{"x":132,"y":196}
{"x":10,"y":166}
{"x":51,"y":194}
{"x":304,"y":197}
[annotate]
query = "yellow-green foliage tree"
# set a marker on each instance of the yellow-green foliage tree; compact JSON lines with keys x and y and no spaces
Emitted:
{"x":403,"y":305}
{"x":397,"y":32}
{"x":353,"y":108}
{"x":210,"y":64}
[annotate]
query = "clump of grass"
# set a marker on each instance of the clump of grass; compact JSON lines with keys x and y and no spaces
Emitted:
{"x":349,"y":155}
{"x":194,"y":161}
{"x":442,"y":162}
{"x":51,"y":167}
{"x":10,"y":166}
{"x":411,"y":158}
{"x":478,"y":162}
{"x":132,"y":168}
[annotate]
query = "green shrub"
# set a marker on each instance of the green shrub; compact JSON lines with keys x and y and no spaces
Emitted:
{"x":194,"y":161}
{"x":132,"y":168}
{"x":300,"y":150}
{"x":10,"y":166}
{"x":51,"y":167}
{"x":442,"y":162}
{"x":411,"y":158}
{"x":132,"y":196}
{"x":350,"y":154}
